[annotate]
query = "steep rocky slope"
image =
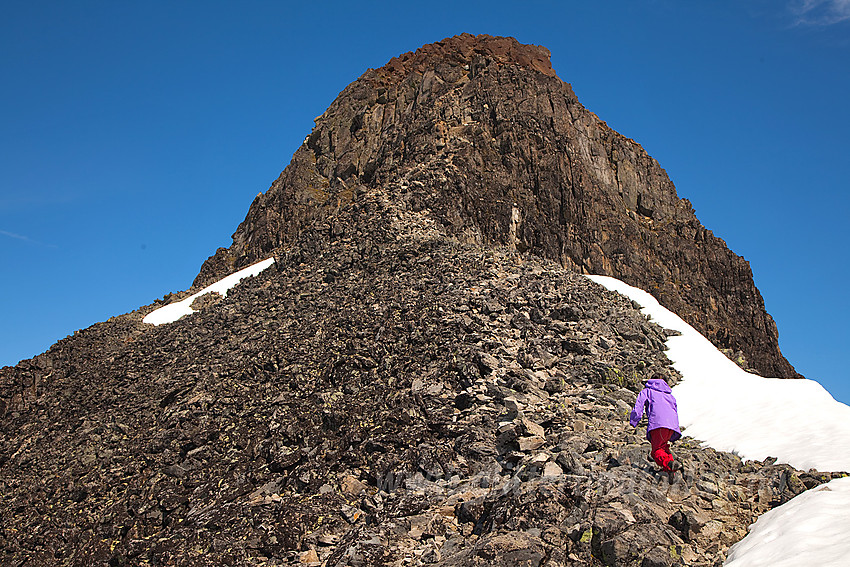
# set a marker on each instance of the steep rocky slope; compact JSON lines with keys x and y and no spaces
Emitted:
{"x":383,"y":395}
{"x":481,"y":131}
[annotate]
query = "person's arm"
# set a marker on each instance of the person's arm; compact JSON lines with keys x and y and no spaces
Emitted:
{"x":637,"y":412}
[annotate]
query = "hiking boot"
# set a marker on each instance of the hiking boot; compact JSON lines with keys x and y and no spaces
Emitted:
{"x":675,"y":465}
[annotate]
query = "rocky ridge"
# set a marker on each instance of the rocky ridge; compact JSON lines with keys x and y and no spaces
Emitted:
{"x":383,"y":395}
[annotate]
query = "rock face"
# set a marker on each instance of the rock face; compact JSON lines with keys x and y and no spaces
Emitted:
{"x":422,"y":377}
{"x":482,"y":133}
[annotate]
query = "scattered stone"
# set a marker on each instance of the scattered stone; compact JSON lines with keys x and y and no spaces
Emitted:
{"x":551,"y":469}
{"x":352,"y":486}
{"x":310,"y":557}
{"x":532,"y":428}
{"x":512,"y":405}
{"x":530,"y":443}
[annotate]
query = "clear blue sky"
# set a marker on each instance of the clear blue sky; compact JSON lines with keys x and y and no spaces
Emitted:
{"x":134,"y":135}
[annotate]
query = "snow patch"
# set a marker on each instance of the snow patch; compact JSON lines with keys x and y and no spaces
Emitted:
{"x":174,"y":311}
{"x":796,"y":421}
{"x":810,"y":529}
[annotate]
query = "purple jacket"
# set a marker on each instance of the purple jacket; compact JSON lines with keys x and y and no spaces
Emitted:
{"x":661,"y":411}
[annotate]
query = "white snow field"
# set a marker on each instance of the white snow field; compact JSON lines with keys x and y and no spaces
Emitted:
{"x":174,"y":311}
{"x":796,"y":421}
{"x":810,"y":529}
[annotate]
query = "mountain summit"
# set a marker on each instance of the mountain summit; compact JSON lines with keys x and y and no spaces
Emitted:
{"x":480,"y":132}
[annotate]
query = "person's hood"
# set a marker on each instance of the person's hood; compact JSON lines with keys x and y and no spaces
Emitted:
{"x":659,"y":385}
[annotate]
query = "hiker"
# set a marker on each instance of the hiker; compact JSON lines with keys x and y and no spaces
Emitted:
{"x":662,"y":417}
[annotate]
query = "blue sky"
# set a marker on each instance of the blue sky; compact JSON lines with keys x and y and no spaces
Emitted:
{"x":135,"y":135}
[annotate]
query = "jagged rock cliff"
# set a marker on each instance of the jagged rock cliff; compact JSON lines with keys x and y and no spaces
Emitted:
{"x":481,"y":132}
{"x":407,"y":384}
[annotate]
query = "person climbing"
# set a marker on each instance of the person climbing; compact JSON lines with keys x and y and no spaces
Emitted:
{"x":662,"y":417}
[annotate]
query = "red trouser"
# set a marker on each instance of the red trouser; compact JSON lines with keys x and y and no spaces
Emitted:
{"x":660,"y":439}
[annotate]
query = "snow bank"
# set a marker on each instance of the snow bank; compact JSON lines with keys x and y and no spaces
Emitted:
{"x":811,"y":529}
{"x":174,"y":311}
{"x":796,"y":421}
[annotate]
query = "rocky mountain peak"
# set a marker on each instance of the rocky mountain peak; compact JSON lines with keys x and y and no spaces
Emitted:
{"x":479,"y":131}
